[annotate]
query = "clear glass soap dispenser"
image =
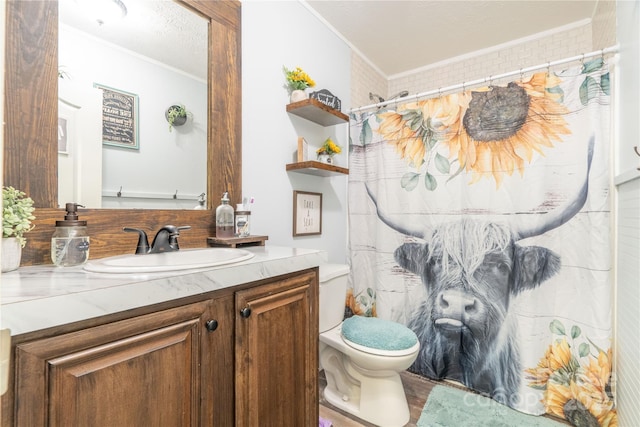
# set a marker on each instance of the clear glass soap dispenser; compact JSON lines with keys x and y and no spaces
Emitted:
{"x":70,"y":241}
{"x":224,"y":218}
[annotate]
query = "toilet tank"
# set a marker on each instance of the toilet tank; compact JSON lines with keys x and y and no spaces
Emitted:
{"x":333,"y":293}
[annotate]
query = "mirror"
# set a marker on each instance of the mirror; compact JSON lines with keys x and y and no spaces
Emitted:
{"x":117,"y":79}
{"x":31,"y":120}
{"x":31,"y":101}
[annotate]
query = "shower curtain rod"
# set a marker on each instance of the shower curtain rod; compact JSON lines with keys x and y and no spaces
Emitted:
{"x":613,"y":49}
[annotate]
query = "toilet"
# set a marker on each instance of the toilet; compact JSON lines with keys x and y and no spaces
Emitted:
{"x":362,"y":357}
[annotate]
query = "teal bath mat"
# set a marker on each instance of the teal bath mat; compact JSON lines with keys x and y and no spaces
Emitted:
{"x":451,"y":407}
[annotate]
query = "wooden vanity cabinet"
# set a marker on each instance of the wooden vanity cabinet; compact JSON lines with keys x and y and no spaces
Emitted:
{"x":141,"y":371}
{"x":246,"y":356}
{"x":277,"y":354}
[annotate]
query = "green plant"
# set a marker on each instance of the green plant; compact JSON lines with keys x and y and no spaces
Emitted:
{"x":17,"y":214}
{"x":174,"y":112}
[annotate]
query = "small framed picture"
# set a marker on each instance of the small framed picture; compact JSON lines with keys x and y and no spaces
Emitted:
{"x":307,"y":213}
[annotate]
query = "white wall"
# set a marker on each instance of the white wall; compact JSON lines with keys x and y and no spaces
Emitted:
{"x":173,"y":160}
{"x":2,"y":37}
{"x":277,"y":34}
{"x":627,"y":212}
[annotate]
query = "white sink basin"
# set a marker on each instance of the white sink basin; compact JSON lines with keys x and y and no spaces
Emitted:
{"x":184,"y":259}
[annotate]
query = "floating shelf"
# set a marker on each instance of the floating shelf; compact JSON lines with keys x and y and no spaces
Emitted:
{"x":236,"y":242}
{"x":316,"y":168}
{"x":315,"y":111}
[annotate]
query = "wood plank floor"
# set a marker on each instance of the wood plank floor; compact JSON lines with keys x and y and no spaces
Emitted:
{"x":416,"y":388}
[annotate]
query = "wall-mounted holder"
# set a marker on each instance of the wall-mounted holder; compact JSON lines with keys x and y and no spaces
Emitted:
{"x":169,"y":195}
{"x":176,"y":115}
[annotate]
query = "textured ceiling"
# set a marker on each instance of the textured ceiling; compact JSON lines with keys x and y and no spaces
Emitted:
{"x":158,"y":29}
{"x":399,"y":36}
{"x":396,"y":36}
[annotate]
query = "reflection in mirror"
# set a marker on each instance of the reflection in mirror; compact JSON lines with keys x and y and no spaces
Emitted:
{"x":116,"y":81}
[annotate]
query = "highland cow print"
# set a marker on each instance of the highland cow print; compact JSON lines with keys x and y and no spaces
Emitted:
{"x":471,"y":269}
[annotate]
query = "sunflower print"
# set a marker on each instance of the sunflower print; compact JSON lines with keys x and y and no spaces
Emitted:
{"x":576,"y":387}
{"x":362,"y":304}
{"x":489,"y":133}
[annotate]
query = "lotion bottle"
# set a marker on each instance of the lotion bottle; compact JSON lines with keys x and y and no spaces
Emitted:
{"x":70,"y":241}
{"x":224,"y":218}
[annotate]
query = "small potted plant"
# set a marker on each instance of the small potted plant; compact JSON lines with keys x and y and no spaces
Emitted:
{"x":327,"y":151}
{"x":297,"y":82}
{"x":17,"y":214}
{"x":176,"y":115}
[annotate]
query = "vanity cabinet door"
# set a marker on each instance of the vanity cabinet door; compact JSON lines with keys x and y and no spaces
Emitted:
{"x":217,"y":371}
{"x":277,"y":353}
{"x":142,"y":371}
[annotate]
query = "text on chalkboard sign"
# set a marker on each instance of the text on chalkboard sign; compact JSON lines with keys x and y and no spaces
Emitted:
{"x":327,"y":98}
{"x":119,"y":118}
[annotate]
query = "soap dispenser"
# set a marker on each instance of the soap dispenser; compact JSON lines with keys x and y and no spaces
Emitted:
{"x":70,"y":241}
{"x":224,"y":218}
{"x":201,"y":201}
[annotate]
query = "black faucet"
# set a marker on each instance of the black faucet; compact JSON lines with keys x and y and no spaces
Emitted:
{"x":166,"y":239}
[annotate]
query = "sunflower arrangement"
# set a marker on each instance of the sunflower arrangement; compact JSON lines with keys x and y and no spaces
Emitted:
{"x":329,"y":147}
{"x":576,"y":379}
{"x":297,"y":79}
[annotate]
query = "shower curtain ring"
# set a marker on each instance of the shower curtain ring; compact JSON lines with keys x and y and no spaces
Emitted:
{"x":602,"y":55}
{"x":548,"y":68}
{"x":490,"y":81}
{"x":439,"y":92}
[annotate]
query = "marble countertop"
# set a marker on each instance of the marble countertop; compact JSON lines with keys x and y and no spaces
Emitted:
{"x":40,"y":297}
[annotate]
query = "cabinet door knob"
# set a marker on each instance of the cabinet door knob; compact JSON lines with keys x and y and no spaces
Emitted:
{"x":211,"y":325}
{"x":245,"y":312}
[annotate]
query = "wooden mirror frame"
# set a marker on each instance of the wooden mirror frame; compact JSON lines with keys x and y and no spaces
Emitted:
{"x":31,"y":120}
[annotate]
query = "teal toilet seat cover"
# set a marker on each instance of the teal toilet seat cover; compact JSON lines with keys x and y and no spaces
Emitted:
{"x":377,"y":333}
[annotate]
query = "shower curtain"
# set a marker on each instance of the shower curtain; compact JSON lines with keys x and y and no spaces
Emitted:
{"x":481,"y":220}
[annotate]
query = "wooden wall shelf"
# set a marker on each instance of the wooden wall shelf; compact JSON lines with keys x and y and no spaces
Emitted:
{"x":236,"y":242}
{"x":315,"y":111}
{"x":316,"y":168}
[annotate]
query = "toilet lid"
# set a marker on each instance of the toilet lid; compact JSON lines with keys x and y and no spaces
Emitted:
{"x":378,"y":336}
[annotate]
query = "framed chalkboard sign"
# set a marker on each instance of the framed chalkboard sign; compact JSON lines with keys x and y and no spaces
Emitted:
{"x":119,"y":118}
